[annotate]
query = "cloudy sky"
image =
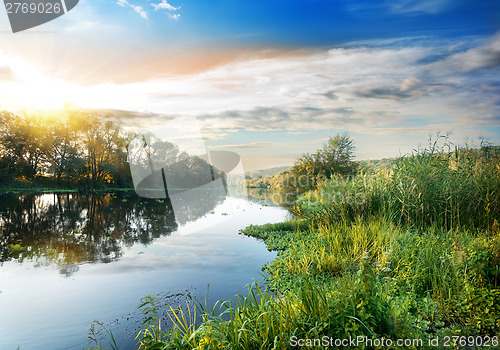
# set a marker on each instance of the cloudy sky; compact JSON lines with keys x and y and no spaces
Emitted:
{"x":270,"y":79}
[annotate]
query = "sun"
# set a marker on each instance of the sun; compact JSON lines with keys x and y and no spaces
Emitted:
{"x":30,"y":88}
{"x":38,"y":92}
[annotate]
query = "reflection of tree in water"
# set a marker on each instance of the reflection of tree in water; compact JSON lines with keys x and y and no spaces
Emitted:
{"x":71,"y":229}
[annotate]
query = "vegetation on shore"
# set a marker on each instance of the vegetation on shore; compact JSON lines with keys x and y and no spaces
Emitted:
{"x":79,"y":151}
{"x":336,"y":157}
{"x":410,"y":253}
{"x":74,"y":150}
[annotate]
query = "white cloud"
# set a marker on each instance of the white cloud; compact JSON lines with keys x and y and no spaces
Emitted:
{"x":139,"y":9}
{"x":366,"y":90}
{"x":164,"y":5}
{"x":416,"y":6}
{"x":486,"y":55}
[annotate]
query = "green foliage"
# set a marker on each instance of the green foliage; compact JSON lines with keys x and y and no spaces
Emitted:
{"x":410,"y":253}
{"x":336,"y":157}
{"x":481,"y":309}
{"x":97,"y":333}
{"x":81,"y":148}
{"x":151,"y":332}
{"x":374,"y":166}
{"x":430,"y":187}
{"x":264,"y":320}
{"x":85,"y":150}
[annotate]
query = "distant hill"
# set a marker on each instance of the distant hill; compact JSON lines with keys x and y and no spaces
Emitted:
{"x":271,"y":172}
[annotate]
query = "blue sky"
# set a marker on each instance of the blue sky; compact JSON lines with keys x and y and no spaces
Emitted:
{"x":309,"y":22}
{"x":305,"y":23}
{"x":270,"y":79}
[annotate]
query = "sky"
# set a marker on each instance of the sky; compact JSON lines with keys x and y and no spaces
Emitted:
{"x":271,"y":79}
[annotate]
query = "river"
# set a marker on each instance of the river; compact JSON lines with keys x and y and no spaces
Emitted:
{"x":67,"y":260}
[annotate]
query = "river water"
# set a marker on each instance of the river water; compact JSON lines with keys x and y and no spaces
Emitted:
{"x":67,"y":260}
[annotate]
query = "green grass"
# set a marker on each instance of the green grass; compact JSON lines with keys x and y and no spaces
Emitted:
{"x":413,"y":252}
{"x":432,"y":186}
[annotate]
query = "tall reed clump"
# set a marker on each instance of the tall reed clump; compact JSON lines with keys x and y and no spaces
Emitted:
{"x":449,"y":188}
{"x":435,"y":185}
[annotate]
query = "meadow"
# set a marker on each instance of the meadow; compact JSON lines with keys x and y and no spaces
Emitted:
{"x":409,"y":253}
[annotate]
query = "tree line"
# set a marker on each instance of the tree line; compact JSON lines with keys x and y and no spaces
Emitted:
{"x":77,"y":148}
{"x":88,"y":150}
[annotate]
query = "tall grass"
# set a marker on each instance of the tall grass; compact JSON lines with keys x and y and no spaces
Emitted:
{"x":409,"y":253}
{"x":451,"y":189}
{"x":435,"y":185}
{"x":263,"y":320}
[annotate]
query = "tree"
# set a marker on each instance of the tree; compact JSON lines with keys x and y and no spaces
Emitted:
{"x":37,"y":144}
{"x":65,"y":157}
{"x":335,"y":158}
{"x":24,"y":144}
{"x":103,"y":146}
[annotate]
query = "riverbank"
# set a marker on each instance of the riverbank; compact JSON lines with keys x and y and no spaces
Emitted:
{"x":44,"y":190}
{"x":411,"y":254}
{"x":40,"y":185}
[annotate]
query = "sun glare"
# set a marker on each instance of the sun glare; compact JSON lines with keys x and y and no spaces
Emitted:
{"x":40,"y":93}
{"x":31,"y":89}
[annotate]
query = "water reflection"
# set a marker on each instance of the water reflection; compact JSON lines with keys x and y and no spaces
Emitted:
{"x":272,"y":198}
{"x":70,"y":229}
{"x":62,"y":232}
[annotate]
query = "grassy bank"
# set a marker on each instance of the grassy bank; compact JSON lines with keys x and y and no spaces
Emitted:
{"x":42,"y":184}
{"x":411,"y":253}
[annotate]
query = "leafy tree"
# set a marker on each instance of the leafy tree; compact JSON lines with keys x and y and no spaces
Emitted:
{"x":65,"y":157}
{"x":37,"y":144}
{"x":24,"y":144}
{"x":103,"y":146}
{"x":335,"y":158}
